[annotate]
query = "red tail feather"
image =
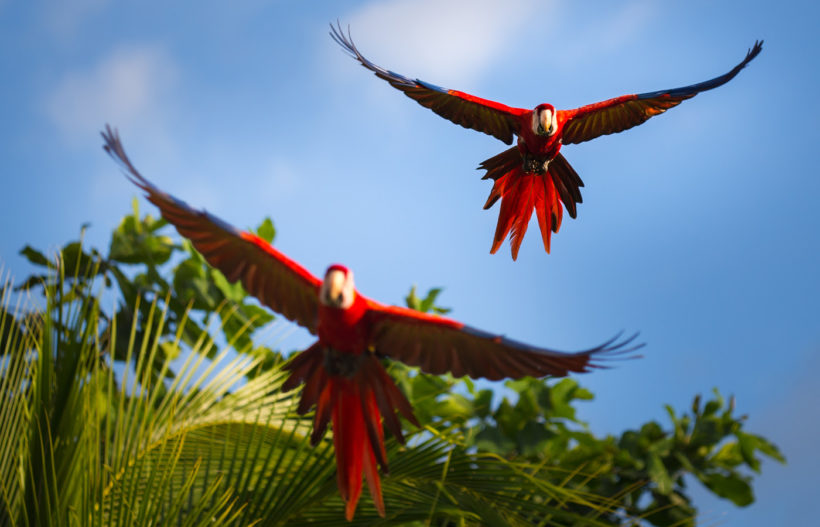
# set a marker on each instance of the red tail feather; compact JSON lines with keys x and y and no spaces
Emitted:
{"x":520,"y":193}
{"x":542,"y":212}
{"x":349,"y":440}
{"x":371,"y":470}
{"x":354,"y":404}
{"x":548,"y":209}
{"x":355,"y":414}
{"x":522,"y":203}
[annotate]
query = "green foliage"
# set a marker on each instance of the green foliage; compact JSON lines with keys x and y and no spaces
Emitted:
{"x":426,"y":304}
{"x":266,"y":231}
{"x":642,"y":469}
{"x":98,"y":428}
{"x":85,"y":443}
{"x":139,"y":262}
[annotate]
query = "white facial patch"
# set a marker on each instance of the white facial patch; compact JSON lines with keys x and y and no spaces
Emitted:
{"x":542,"y":122}
{"x":337,"y":289}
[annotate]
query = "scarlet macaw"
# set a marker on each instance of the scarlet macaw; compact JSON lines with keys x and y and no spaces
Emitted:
{"x":342,"y":372}
{"x":534,"y":174}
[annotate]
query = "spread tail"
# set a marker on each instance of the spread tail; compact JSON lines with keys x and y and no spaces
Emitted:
{"x":520,"y":192}
{"x":355,"y":404}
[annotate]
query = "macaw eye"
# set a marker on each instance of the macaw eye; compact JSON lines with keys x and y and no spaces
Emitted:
{"x":540,"y":130}
{"x":340,"y":298}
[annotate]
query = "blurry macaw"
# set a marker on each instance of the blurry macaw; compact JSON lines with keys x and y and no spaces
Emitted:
{"x":342,"y":371}
{"x":534,"y":174}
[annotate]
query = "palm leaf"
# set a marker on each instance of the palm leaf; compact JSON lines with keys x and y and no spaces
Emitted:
{"x":86,"y":440}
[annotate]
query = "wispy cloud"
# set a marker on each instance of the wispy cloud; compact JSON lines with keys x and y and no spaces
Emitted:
{"x":455,"y":43}
{"x":454,"y":40}
{"x":65,"y":19}
{"x":131,"y":87}
{"x":600,"y":32}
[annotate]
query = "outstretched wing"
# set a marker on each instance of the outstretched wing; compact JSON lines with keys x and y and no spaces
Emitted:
{"x":277,"y":281}
{"x":490,"y":117}
{"x":439,"y":345}
{"x":621,"y":113}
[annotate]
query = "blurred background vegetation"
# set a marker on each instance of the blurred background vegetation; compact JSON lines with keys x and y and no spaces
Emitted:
{"x":164,"y":408}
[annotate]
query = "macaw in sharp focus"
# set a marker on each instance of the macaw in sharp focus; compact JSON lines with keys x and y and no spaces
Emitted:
{"x":342,"y":372}
{"x":533,"y":174}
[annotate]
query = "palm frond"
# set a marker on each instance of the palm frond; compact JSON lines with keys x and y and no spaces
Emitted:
{"x":87,"y":440}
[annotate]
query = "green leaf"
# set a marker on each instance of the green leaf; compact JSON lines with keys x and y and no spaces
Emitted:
{"x":34,"y":256}
{"x":532,"y":438}
{"x":231,"y":291}
{"x":426,"y":304}
{"x":429,"y":300}
{"x":10,"y":327}
{"x":659,"y":474}
{"x":194,"y":287}
{"x":562,"y":394}
{"x":266,"y":230}
{"x":482,"y":402}
{"x":728,"y":455}
{"x":456,"y":407}
{"x":770,"y":449}
{"x":508,"y":419}
{"x":733,"y":487}
{"x":412,"y":300}
{"x":134,"y":242}
{"x":33,"y":281}
{"x":492,"y":440}
{"x":748,"y":444}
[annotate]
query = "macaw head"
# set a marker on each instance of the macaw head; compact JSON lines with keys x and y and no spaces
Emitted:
{"x":337,"y":288}
{"x":544,"y":122}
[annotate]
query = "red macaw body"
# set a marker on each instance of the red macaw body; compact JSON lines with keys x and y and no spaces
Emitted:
{"x":342,"y":371}
{"x":534,"y":174}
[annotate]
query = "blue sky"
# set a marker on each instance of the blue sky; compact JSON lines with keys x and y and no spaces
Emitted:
{"x":698,"y":228}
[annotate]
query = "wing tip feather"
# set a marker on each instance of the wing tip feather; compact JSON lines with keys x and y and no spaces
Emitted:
{"x":614,"y":349}
{"x":337,"y":33}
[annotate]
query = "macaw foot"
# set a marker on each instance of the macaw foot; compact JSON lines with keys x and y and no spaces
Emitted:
{"x":535,"y":164}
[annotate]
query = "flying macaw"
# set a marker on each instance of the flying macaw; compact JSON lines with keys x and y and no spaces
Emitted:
{"x":533,"y":174}
{"x":342,"y":372}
